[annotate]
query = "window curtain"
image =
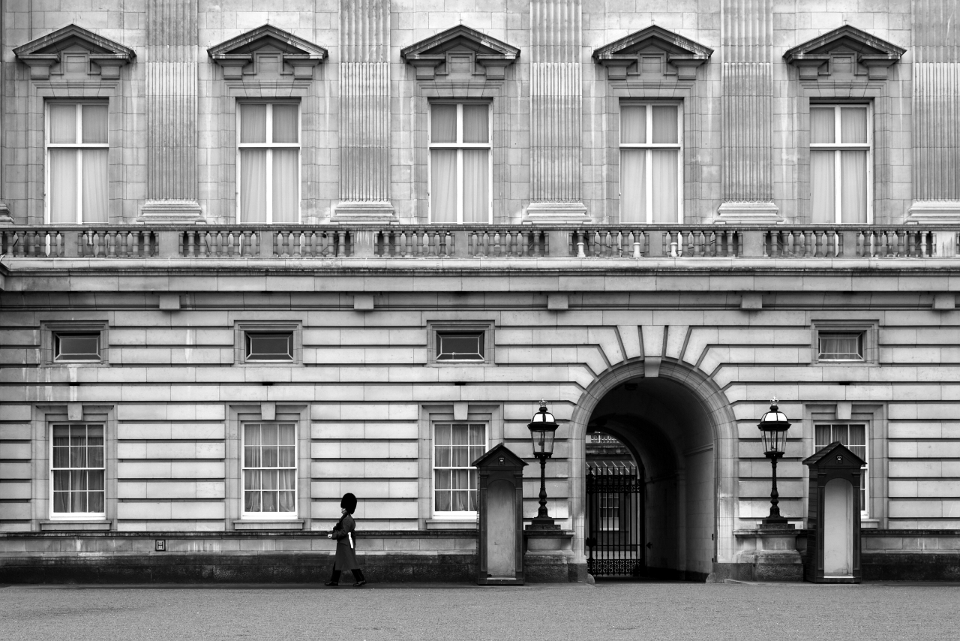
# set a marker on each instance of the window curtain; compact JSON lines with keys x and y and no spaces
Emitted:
{"x":853,"y":125}
{"x":853,"y":194}
{"x":665,"y":125}
{"x":476,"y":123}
{"x":822,"y":197}
{"x":63,"y":124}
{"x":633,"y":180}
{"x":63,"y":185}
{"x":665,"y":184}
{"x":94,"y":118}
{"x":633,"y":124}
{"x":476,"y":186}
{"x":443,"y":186}
{"x":822,"y":125}
{"x":253,"y":185}
{"x":443,"y":123}
{"x":840,"y":346}
{"x":285,"y":123}
{"x":94,"y":201}
{"x":253,"y":123}
{"x":286,"y":183}
{"x":61,"y":478}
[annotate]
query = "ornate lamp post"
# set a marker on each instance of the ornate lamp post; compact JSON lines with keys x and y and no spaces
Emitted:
{"x":773,"y":426}
{"x":543,"y":429}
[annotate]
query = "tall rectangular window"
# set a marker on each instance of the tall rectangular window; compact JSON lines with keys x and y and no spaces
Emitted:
{"x":853,"y":437}
{"x":269,"y":470}
{"x":77,"y":159}
{"x":268,"y":182}
{"x":841,"y":164}
{"x":651,"y":170}
{"x":77,"y":471}
{"x":455,"y":447}
{"x":460,"y":162}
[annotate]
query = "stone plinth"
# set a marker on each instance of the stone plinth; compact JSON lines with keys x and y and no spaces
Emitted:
{"x":775,"y":557}
{"x":548,"y":557}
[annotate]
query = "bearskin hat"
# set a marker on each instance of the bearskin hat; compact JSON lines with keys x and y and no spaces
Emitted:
{"x":349,"y":502}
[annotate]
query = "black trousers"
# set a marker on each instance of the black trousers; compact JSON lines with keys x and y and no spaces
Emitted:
{"x":357,"y":575}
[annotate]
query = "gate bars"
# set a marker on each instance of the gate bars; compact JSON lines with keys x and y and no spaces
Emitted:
{"x":614,"y":503}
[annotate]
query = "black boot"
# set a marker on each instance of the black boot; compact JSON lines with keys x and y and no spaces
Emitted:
{"x":358,"y":575}
{"x":334,"y":579}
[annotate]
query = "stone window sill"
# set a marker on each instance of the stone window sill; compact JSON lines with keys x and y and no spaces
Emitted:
{"x":67,"y":526}
{"x":292,"y":524}
{"x":449,"y":524}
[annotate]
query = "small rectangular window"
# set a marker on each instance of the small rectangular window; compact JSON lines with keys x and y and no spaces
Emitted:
{"x":455,"y":447}
{"x":268,"y":346}
{"x":459,"y":346}
{"x":840,"y":346}
{"x":270,"y":469}
{"x":77,"y":470}
{"x":76,"y":346}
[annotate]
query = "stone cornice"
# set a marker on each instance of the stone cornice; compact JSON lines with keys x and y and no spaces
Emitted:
{"x":44,"y":52}
{"x":234,"y":55}
{"x":873,"y":53}
{"x":684,"y":54}
{"x":491,"y":56}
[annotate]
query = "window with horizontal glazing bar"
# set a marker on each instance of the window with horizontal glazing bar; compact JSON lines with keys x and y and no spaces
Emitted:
{"x":460,"y":162}
{"x":77,"y":162}
{"x":651,"y":170}
{"x":268,"y":161}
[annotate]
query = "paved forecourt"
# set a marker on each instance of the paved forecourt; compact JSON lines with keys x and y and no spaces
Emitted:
{"x":607,"y":610}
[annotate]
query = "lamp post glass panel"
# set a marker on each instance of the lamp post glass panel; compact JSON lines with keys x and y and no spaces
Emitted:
{"x":773,"y":429}
{"x":543,"y":429}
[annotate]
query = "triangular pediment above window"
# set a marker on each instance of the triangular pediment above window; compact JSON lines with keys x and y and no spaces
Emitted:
{"x":844,"y":52}
{"x":74,"y":52}
{"x":267,"y":53}
{"x":652,"y":53}
{"x":460,"y":51}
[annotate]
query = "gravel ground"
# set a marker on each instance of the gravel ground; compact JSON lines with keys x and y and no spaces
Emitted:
{"x":605,"y":611}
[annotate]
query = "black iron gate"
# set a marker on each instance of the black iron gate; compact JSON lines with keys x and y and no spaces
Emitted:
{"x":614,"y":521}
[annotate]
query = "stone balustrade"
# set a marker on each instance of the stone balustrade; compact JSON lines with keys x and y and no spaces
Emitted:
{"x":329,"y":241}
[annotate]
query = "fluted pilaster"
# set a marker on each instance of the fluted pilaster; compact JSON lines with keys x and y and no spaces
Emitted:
{"x":556,"y":109}
{"x":364,"y":109}
{"x":747,"y":104}
{"x":936,"y":110}
{"x":170,"y":65}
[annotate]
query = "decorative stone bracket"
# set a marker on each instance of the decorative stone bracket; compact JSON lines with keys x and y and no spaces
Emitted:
{"x":843,"y":48}
{"x":652,"y":51}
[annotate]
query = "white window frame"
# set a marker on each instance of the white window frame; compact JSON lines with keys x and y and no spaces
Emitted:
{"x":78,"y":146}
{"x":837,"y":147}
{"x":861,"y":340}
{"x":270,"y":516}
{"x":650,"y":146}
{"x":865,"y":472}
{"x":460,"y":146}
{"x":75,"y":516}
{"x":450,"y":514}
{"x":270,"y":146}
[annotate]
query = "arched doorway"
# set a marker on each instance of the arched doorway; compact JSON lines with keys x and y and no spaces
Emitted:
{"x":680,"y":429}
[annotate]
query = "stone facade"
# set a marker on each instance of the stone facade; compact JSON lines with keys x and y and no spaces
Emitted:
{"x":674,"y":335}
